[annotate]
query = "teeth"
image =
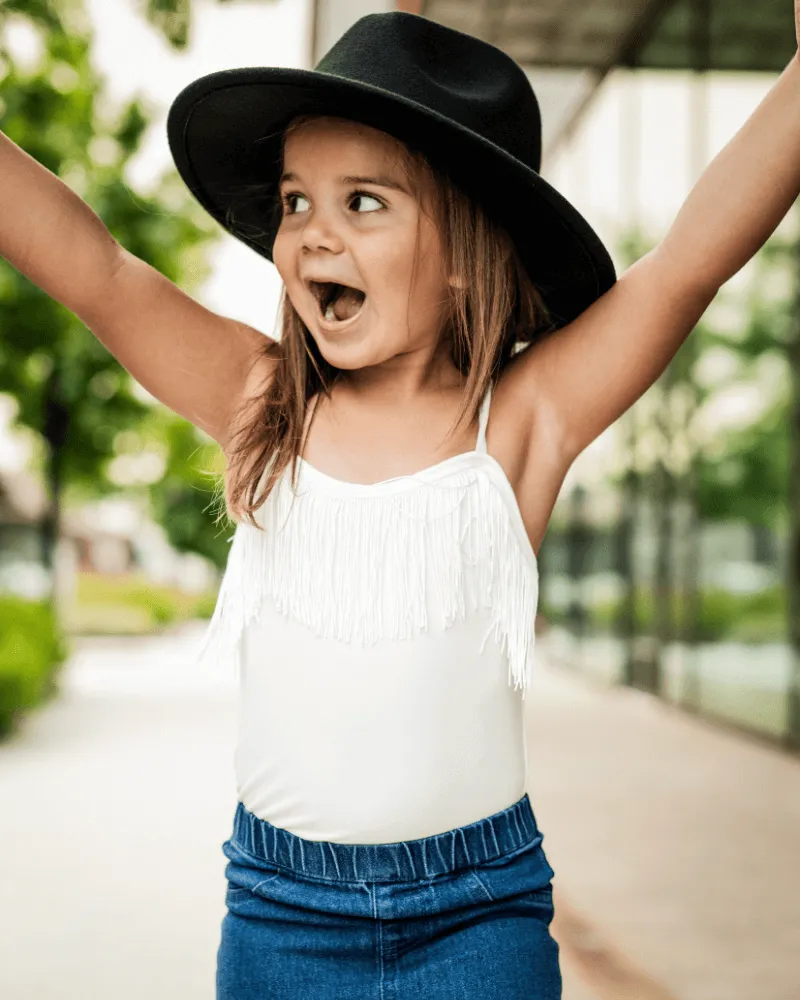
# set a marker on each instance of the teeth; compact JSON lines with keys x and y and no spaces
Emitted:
{"x":329,"y":313}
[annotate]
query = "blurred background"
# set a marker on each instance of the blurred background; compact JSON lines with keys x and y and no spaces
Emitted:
{"x":664,"y":724}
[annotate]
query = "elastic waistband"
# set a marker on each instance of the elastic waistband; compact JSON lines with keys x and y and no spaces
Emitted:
{"x":473,"y":844}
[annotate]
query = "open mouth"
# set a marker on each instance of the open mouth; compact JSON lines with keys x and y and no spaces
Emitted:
{"x":337,"y":303}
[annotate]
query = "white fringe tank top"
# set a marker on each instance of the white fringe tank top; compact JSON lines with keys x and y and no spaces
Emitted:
{"x":382,"y":636}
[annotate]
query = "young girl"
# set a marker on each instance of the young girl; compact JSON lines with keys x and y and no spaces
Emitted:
{"x":453,"y":337}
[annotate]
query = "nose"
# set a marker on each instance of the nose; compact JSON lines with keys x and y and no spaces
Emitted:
{"x":321,"y":232}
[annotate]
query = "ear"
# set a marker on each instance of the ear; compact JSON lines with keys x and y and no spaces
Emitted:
{"x":456,"y":281}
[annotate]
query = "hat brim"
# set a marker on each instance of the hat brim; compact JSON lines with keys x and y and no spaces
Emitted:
{"x":225,"y":130}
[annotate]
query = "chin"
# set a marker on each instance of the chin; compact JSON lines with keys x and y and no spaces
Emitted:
{"x":349,"y":358}
{"x":349,"y":355}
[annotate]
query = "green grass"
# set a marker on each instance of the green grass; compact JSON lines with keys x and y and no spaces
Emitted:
{"x":130,"y":604}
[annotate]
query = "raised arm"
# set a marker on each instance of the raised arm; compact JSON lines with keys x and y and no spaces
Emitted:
{"x":586,"y":375}
{"x":196,"y":362}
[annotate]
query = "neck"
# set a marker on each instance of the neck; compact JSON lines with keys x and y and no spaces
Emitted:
{"x":403,"y":379}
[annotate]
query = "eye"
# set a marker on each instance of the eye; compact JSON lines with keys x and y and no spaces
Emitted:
{"x":287,"y":202}
{"x":361,"y":195}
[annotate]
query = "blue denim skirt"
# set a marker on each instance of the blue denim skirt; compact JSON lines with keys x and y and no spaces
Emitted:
{"x":461,"y":914}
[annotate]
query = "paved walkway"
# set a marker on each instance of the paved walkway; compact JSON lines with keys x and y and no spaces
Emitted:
{"x":676,"y":845}
{"x":677,"y":839}
{"x":116,"y":800}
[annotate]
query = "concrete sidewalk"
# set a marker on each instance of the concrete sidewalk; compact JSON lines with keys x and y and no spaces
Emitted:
{"x":677,"y":840}
{"x":676,"y":846}
{"x":116,"y":799}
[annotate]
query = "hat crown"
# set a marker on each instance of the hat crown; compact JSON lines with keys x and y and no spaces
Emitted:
{"x":446,"y":71}
{"x":466,"y":105}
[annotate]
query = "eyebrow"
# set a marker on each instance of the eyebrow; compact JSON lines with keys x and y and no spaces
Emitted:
{"x":381,"y":180}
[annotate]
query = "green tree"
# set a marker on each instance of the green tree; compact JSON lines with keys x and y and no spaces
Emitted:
{"x":743,"y":475}
{"x":187,"y":498}
{"x":173,"y":18}
{"x":738,"y":474}
{"x":67,"y":386}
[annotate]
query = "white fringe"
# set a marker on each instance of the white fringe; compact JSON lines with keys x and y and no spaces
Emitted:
{"x":357,"y":567}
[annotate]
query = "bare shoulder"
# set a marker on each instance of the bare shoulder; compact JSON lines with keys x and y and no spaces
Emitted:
{"x":525,"y":435}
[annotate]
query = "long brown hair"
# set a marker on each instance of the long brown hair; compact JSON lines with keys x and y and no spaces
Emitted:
{"x":494,"y":310}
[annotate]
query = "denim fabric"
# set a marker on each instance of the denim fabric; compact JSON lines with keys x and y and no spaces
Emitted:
{"x":461,"y":914}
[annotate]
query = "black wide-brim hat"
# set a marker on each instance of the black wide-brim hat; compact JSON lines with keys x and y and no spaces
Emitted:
{"x":463,"y":102}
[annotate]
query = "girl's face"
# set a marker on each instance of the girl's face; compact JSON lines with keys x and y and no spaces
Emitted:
{"x":350,"y":217}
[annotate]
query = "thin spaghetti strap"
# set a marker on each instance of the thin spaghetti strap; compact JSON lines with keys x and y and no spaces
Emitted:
{"x":483,"y":420}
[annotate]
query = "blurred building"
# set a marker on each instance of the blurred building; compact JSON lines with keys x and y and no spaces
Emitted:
{"x":114,"y":536}
{"x":110,"y":536}
{"x":23,"y":504}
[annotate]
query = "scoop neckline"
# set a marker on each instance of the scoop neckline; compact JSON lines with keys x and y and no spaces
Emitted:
{"x":408,"y":476}
{"x":347,"y":486}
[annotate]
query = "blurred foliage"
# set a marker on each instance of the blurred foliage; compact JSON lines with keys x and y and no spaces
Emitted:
{"x":742,"y":470}
{"x":131,"y":604}
{"x":744,"y":474}
{"x":32,"y":648}
{"x":45,"y":351}
{"x":67,"y":386}
{"x":188,"y":499}
{"x":173,"y":18}
{"x":84,"y":409}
